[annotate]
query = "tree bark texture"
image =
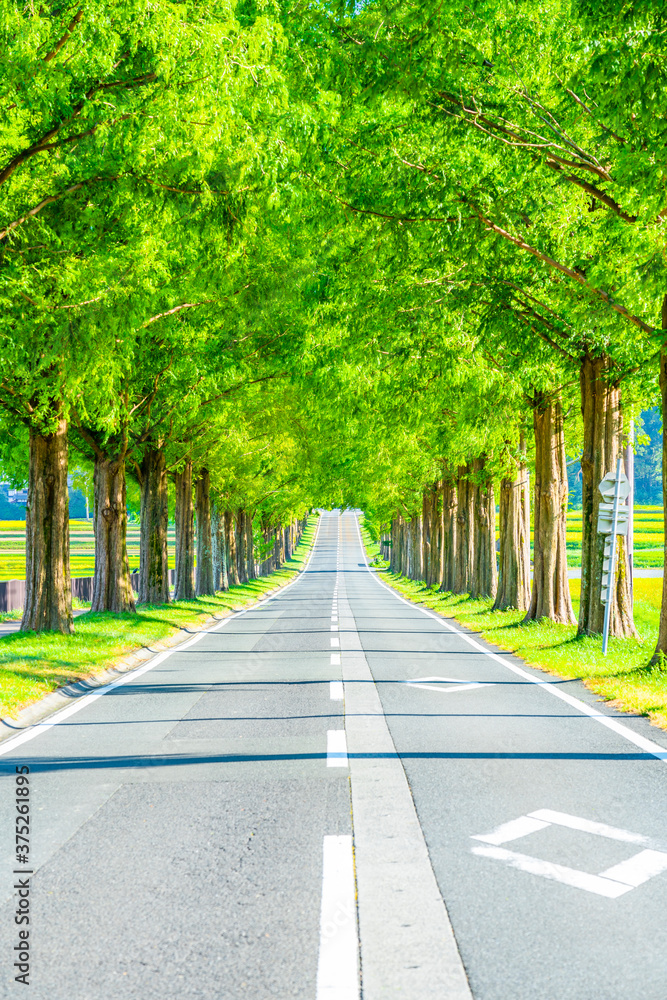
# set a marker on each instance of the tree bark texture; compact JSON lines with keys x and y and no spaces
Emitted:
{"x":242,"y":568}
{"x":431,"y":536}
{"x":601,"y":410}
{"x":251,"y":572}
{"x":112,"y":586}
{"x":48,"y":599}
{"x":232,"y":560}
{"x":184,"y":517}
{"x":219,"y":546}
{"x":484,"y":580}
{"x":416,"y":571}
{"x":204,"y":569}
{"x":550,"y":597}
{"x":448,"y":517}
{"x":154,"y":566}
{"x":514,"y":530}
{"x":464,"y":531}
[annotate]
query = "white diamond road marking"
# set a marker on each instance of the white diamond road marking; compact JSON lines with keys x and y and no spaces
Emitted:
{"x":613,"y":882}
{"x":438,"y":684}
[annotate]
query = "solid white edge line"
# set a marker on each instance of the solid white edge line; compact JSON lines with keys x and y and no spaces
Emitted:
{"x":87,"y":699}
{"x":639,"y":741}
{"x":338,"y":962}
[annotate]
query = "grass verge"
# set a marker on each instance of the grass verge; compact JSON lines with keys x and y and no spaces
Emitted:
{"x":32,"y":664}
{"x":622,"y":677}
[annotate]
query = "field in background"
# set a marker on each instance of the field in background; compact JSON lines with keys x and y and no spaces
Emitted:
{"x":32,"y":665}
{"x":82,"y":548}
{"x":648,"y":525}
{"x":648,"y":537}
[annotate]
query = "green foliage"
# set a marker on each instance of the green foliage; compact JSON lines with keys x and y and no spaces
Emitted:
{"x":327,"y":250}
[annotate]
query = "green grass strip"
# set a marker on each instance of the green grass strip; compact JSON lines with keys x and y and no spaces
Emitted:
{"x":622,"y":677}
{"x":34,"y":664}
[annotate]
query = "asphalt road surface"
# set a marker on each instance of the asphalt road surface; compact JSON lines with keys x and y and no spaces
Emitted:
{"x":332,"y":796}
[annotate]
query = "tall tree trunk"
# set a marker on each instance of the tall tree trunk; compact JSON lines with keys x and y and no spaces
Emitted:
{"x":232,"y":558}
{"x":603,"y":424}
{"x":448,"y":532}
{"x":48,"y":598}
{"x":154,"y":565}
{"x":430,"y":533}
{"x":204,"y":569}
{"x":275,"y":553}
{"x":184,"y":516}
{"x":240,"y":546}
{"x":251,"y":573}
{"x":484,"y":581}
{"x":514,"y":525}
{"x":550,"y":597}
{"x":112,"y":585}
{"x":426,"y":540}
{"x":219,"y":545}
{"x":464,"y":531}
{"x":661,"y":647}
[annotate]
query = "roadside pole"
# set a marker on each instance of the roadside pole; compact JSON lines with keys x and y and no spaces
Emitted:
{"x":612,"y":520}
{"x":629,"y":455}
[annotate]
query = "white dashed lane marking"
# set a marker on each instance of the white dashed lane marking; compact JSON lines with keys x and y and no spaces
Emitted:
{"x":336,"y":748}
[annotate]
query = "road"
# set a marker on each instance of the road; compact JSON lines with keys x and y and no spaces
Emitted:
{"x":193,"y":827}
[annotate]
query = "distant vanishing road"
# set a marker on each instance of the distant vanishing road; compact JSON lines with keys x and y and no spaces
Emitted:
{"x":338,"y":795}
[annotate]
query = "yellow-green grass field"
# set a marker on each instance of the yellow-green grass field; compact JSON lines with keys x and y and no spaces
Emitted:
{"x":623,"y":677}
{"x":32,"y":665}
{"x":648,"y":528}
{"x":82,"y":548}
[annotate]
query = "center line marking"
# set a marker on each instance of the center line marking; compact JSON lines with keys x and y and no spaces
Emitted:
{"x":335,"y":659}
{"x":335,"y":641}
{"x":336,"y":748}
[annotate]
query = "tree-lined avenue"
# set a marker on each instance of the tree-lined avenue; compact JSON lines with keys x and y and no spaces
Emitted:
{"x":195,"y":799}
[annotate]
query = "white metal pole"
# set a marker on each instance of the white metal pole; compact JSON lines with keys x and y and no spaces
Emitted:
{"x":612,"y":558}
{"x":630,"y":473}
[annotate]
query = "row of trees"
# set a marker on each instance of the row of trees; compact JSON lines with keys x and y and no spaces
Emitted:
{"x":382,"y":255}
{"x":505,"y":163}
{"x":145,"y":298}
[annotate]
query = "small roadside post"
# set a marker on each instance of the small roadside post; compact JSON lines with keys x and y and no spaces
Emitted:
{"x":613,"y":520}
